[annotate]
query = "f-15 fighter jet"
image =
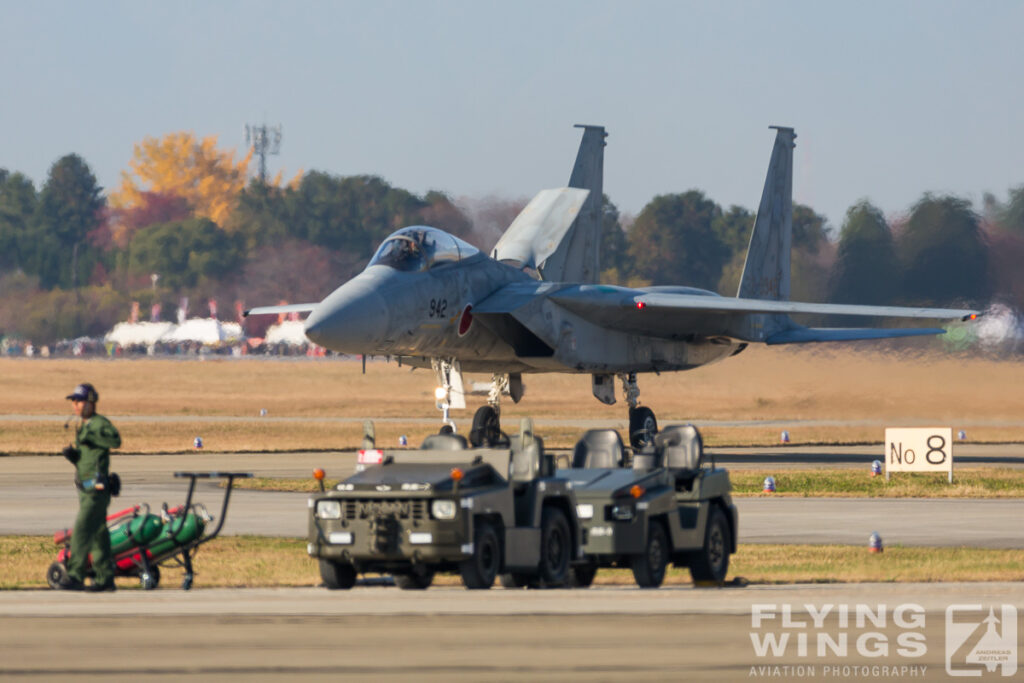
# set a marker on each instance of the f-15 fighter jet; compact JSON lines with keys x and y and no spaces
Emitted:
{"x":534,"y":304}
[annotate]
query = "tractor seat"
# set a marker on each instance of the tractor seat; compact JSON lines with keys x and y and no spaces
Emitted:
{"x":598,"y":448}
{"x":445,"y":442}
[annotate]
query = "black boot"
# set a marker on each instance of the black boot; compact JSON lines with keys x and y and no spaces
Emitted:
{"x":68,"y":583}
{"x":108,"y":587}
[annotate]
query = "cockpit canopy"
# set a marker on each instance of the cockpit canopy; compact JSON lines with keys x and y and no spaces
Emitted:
{"x":419,"y":247}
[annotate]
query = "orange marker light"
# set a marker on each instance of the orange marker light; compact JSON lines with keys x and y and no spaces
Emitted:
{"x":637,"y":491}
{"x":319,"y":474}
{"x":457,"y":474}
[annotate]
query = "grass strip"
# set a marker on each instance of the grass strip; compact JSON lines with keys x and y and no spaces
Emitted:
{"x":258,"y":561}
{"x":808,"y":483}
{"x":848,"y":483}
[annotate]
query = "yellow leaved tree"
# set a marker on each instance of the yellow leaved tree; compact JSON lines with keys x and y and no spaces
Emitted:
{"x":179,"y":164}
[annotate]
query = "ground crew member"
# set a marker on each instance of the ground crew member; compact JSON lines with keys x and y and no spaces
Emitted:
{"x":90,"y":454}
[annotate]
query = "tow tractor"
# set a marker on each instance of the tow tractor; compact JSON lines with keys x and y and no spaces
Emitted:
{"x":666,"y":502}
{"x":481,"y":512}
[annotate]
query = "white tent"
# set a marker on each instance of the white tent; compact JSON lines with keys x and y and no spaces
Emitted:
{"x":292,"y":332}
{"x":144,"y":333}
{"x":204,"y":331}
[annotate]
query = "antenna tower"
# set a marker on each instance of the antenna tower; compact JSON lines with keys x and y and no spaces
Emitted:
{"x":263,"y":140}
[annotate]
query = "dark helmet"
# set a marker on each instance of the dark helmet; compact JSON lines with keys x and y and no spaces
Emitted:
{"x":84,"y":392}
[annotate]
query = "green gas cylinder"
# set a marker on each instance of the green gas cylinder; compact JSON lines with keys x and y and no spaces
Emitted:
{"x":139,"y":530}
{"x":188,"y":529}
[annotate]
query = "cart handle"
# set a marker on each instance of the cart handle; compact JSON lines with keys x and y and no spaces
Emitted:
{"x":230,"y":476}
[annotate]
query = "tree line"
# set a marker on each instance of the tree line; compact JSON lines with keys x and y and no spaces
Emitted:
{"x":186,"y":222}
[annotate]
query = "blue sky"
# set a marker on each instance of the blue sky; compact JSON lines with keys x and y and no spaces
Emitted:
{"x":889,"y":99}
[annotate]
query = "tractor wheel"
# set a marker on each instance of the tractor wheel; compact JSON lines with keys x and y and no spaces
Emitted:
{"x":416,"y":579}
{"x":582,"y":575}
{"x":555,"y":548}
{"x":649,"y":566}
{"x":480,"y":570}
{"x":711,"y":563}
{"x":337,"y":574}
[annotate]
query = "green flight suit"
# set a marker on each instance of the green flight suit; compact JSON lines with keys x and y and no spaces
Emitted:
{"x":95,"y":437}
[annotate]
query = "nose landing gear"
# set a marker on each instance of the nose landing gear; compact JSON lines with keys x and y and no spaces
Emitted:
{"x":642,"y":423}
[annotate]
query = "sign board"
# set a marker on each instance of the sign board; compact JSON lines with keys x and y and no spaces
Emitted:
{"x":919,"y":449}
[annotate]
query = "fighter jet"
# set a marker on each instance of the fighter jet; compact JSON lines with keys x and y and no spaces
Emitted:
{"x":534,"y":303}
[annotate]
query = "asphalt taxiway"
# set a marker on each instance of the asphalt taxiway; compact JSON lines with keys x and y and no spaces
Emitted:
{"x":599,"y":634}
{"x":36,"y":497}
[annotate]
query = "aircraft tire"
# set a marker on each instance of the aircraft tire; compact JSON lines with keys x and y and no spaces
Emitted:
{"x":337,"y":574}
{"x":642,"y":426}
{"x":486,"y":429}
{"x":711,"y":563}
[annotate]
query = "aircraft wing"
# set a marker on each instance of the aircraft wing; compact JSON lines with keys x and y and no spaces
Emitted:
{"x":690,"y":312}
{"x":277,"y":310}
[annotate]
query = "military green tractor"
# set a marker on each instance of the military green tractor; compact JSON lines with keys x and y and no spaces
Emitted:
{"x":666,"y":503}
{"x":480,"y":512}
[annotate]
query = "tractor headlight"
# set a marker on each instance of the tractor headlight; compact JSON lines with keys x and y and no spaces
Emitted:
{"x":328,"y":509}
{"x":585,"y":511}
{"x":442,"y":509}
{"x":622,"y":513}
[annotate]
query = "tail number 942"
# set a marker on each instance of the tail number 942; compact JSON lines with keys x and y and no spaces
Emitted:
{"x":438,"y":308}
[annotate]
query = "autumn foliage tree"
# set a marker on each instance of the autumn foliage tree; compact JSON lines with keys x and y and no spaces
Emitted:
{"x":179,"y":164}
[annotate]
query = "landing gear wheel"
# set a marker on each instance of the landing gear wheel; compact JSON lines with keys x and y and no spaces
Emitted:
{"x":480,"y":570}
{"x":151,"y":579}
{"x":56,"y":573}
{"x":642,"y":427}
{"x":486,"y":429}
{"x":711,"y":563}
{"x":649,"y":566}
{"x":337,"y":574}
{"x":416,"y":579}
{"x":582,"y":575}
{"x":555,"y":548}
{"x":446,"y":429}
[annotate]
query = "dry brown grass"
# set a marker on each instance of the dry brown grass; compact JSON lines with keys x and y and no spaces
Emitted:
{"x":827,"y":383}
{"x":252,"y":561}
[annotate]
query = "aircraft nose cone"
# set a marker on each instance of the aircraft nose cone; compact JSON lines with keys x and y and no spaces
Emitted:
{"x":353,"y":319}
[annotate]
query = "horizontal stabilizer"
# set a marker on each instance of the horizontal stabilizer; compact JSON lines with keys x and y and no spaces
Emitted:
{"x":278,"y":310}
{"x":801,"y":335}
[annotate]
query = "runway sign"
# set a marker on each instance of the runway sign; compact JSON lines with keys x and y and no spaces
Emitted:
{"x":919,"y":449}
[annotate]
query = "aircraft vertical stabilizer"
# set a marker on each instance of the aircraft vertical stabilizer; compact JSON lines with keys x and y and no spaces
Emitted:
{"x":577,"y":258}
{"x":766,"y":271}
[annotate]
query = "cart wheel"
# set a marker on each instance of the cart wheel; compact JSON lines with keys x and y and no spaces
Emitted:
{"x":150,"y":579}
{"x":186,"y":583}
{"x":56,"y":573}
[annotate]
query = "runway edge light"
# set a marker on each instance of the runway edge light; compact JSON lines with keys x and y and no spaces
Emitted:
{"x":875,"y":543}
{"x":769,"y":484}
{"x":876,"y":468}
